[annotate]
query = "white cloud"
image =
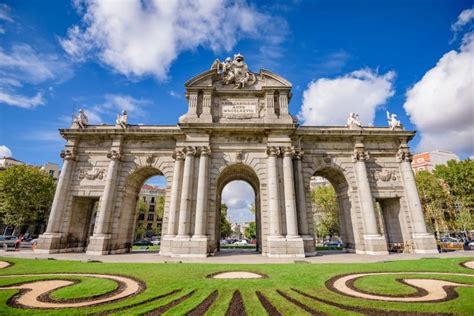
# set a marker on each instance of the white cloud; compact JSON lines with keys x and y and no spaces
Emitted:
{"x":138,"y":38}
{"x":464,"y":18}
{"x":5,"y":152}
{"x":24,"y":65}
{"x":329,"y":101}
{"x":5,"y":13}
{"x":21,"y":100}
{"x":238,"y":196}
{"x":113,"y":104}
{"x":441,"y":104}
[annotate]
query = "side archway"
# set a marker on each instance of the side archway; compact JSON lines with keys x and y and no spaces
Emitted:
{"x":125,"y":224}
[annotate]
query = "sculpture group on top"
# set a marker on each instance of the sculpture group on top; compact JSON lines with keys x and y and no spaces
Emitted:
{"x":236,"y":71}
{"x":353,"y":121}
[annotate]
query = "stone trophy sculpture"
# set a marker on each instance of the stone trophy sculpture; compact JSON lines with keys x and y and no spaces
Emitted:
{"x":81,"y":119}
{"x":393,"y":123}
{"x":353,"y":121}
{"x":122,"y":119}
{"x":236,"y":71}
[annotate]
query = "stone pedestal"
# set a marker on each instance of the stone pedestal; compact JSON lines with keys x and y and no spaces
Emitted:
{"x":185,"y":247}
{"x":425,"y":244}
{"x":49,"y":243}
{"x":375,"y":245}
{"x":309,"y":246}
{"x":98,"y":245}
{"x":280,"y":247}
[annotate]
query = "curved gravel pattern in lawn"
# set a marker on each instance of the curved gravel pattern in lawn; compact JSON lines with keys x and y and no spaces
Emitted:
{"x":469,"y":264}
{"x":32,"y":293}
{"x":4,"y":264}
{"x":432,"y":289}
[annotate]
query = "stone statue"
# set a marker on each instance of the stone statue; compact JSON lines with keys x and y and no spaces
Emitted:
{"x":236,"y":71}
{"x":122,"y":119}
{"x":353,"y":121}
{"x":81,"y":119}
{"x":393,"y":123}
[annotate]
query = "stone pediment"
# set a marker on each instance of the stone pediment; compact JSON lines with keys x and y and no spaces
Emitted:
{"x":264,"y":80}
{"x":231,"y":93}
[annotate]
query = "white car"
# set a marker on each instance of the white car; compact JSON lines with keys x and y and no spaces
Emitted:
{"x":156,"y":242}
{"x":241,"y":243}
{"x":470,"y":245}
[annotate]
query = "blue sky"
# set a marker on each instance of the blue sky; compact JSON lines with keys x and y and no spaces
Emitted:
{"x":414,"y":58}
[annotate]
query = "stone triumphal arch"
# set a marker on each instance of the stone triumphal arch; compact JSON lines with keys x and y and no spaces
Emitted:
{"x":237,"y":128}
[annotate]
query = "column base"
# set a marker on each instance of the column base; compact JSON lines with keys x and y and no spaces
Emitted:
{"x":98,"y":245}
{"x":49,"y":243}
{"x":309,"y":246}
{"x":185,"y":247}
{"x":281,"y":247}
{"x":375,"y":245}
{"x":425,"y":244}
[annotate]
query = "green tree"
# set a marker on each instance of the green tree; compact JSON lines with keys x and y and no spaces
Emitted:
{"x":326,"y":215}
{"x":226,"y":229}
{"x":160,"y":206}
{"x":437,"y":204}
{"x":251,"y":231}
{"x":26,"y":195}
{"x":458,"y":179}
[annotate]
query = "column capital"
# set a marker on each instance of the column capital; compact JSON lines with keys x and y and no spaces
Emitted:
{"x":67,"y":154}
{"x":273,"y":151}
{"x":114,"y":155}
{"x":189,"y":151}
{"x":178,"y":155}
{"x":404,"y":154}
{"x":205,"y":151}
{"x":289,"y":151}
{"x":299,"y":154}
{"x":360,"y":154}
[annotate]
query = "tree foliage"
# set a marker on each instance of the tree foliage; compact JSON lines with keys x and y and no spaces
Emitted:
{"x":26,"y":195}
{"x":251,"y":231}
{"x":447,"y":196}
{"x":326,"y":215}
{"x":436,"y":202}
{"x":226,"y":229}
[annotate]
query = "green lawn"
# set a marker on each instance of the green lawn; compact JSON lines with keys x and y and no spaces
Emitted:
{"x":307,"y":278}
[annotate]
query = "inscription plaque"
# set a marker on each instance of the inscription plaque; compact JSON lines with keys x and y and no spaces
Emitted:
{"x":239,"y":108}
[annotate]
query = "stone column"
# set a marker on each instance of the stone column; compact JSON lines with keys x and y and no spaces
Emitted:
{"x":174,"y":200}
{"x":289,"y":189}
{"x":201,"y":200}
{"x":99,"y":241}
{"x":186,"y":191}
{"x":60,"y":196}
{"x":300,"y":189}
{"x":192,"y":104}
{"x":270,"y":104}
{"x":375,"y":243}
{"x":424,"y":241}
{"x":50,"y":241}
{"x":272,"y":187}
{"x":102,"y":224}
{"x":366,"y":201}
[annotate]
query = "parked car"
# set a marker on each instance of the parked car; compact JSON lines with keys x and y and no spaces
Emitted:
{"x":9,"y":240}
{"x":333,"y":244}
{"x":156,"y":242}
{"x":243,"y":242}
{"x":450,"y":244}
{"x":224,"y":242}
{"x":143,"y":243}
{"x":470,"y":244}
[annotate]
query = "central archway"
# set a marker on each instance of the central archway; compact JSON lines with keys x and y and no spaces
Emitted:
{"x":245,"y":173}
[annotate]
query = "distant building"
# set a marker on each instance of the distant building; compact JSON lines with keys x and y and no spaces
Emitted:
{"x":52,"y":169}
{"x":427,"y":161}
{"x":7,"y":162}
{"x":149,"y":219}
{"x":318,"y":182}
